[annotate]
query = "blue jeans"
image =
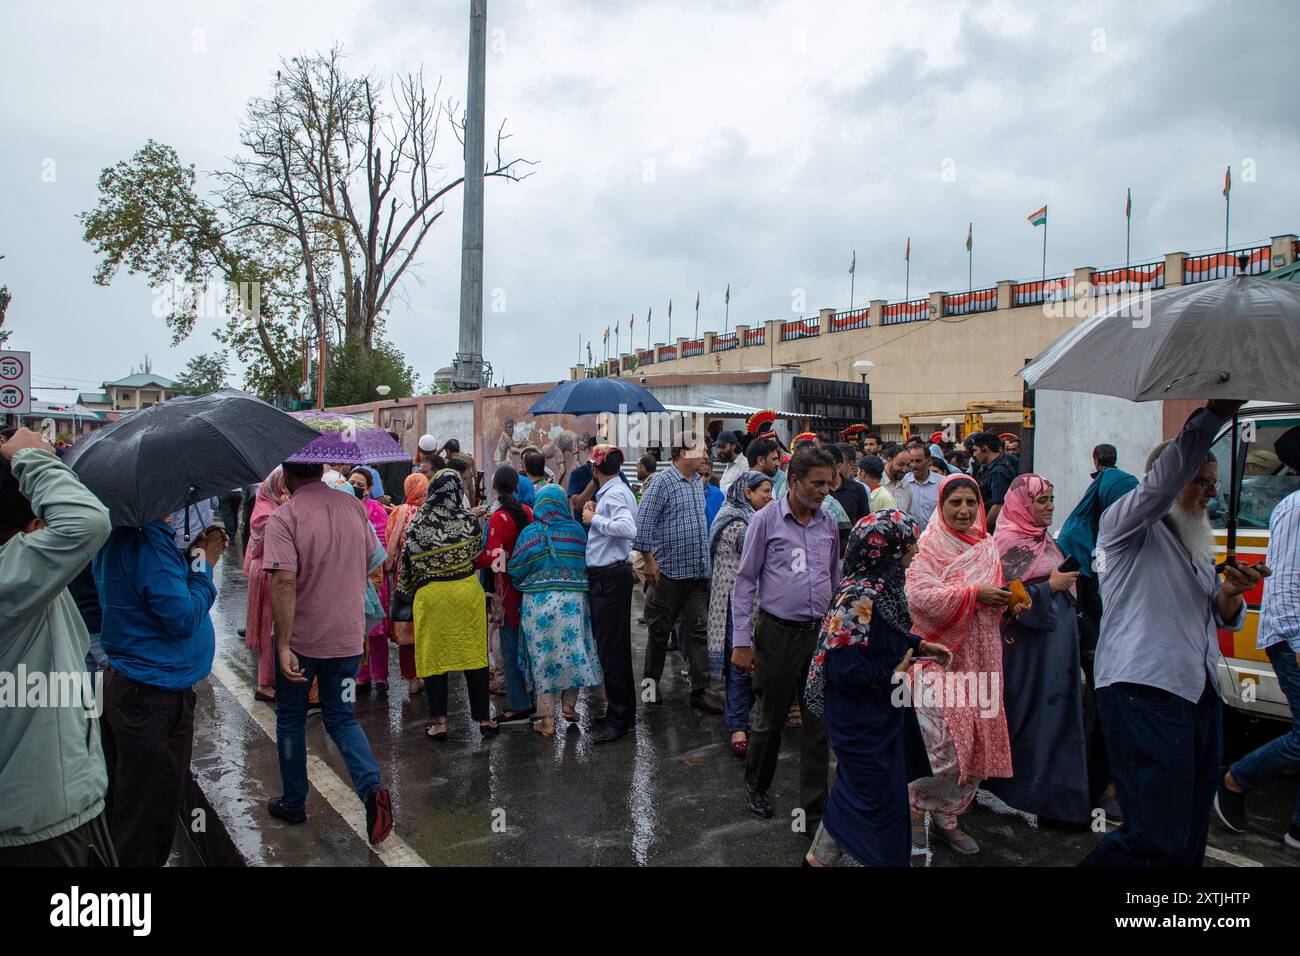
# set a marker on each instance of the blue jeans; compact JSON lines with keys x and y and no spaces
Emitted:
{"x":1282,"y":754}
{"x":340,"y":723}
{"x":1164,"y":756}
{"x":740,"y":690}
{"x":517,"y":697}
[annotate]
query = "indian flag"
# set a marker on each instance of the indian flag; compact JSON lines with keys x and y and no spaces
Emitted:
{"x":1038,"y":217}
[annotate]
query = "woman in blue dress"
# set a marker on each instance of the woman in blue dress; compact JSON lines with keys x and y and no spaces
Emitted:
{"x":854,"y":681}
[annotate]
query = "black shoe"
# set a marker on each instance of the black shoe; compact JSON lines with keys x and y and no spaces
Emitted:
{"x":1231,"y":808}
{"x":606,"y":733}
{"x":759,"y":805}
{"x":278,"y":810}
{"x":509,"y":717}
{"x":379,"y":816}
{"x":487,"y":730}
{"x":706,"y":701}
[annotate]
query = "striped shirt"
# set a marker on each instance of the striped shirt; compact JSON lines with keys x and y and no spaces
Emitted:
{"x":1279,"y":611}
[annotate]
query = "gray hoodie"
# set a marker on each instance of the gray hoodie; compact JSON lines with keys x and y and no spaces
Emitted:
{"x":52,"y":775}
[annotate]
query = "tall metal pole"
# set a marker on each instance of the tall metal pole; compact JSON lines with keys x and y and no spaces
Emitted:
{"x":468,"y":367}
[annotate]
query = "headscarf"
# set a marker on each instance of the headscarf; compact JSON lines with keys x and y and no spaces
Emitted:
{"x":736,"y":507}
{"x":873,"y":583}
{"x":415,"y":491}
{"x":1028,"y":551}
{"x":270,"y":495}
{"x":376,"y":483}
{"x":443,"y":538}
{"x":942,"y":583}
{"x":550,"y":552}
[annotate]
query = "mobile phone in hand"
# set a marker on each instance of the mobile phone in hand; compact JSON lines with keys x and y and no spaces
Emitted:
{"x":1069,"y":565}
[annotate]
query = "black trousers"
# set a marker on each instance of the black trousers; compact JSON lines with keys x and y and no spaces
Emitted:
{"x":782,"y":653}
{"x":435,"y":692}
{"x":148,"y":737}
{"x":685,"y":600}
{"x":1088,"y":613}
{"x":610,"y":594}
{"x":1164,"y":753}
{"x":87,"y":846}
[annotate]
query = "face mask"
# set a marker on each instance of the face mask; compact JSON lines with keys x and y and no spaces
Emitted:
{"x":361,"y":492}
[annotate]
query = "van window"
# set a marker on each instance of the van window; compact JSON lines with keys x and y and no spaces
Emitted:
{"x":1265,"y":480}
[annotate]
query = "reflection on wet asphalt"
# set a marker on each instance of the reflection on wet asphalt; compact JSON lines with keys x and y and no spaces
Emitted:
{"x":670,"y":793}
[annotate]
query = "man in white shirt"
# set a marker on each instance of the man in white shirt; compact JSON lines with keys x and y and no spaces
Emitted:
{"x":922,"y":483}
{"x":611,"y":519}
{"x":897,"y":463}
{"x":727,"y":451}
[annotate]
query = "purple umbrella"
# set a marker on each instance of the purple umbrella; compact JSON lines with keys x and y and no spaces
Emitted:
{"x":346,"y":439}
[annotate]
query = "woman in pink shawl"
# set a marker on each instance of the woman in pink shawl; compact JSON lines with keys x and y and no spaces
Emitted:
{"x":956,"y":597}
{"x":271,"y":493}
{"x":415,"y":491}
{"x":374,"y":663}
{"x":1043,"y":696}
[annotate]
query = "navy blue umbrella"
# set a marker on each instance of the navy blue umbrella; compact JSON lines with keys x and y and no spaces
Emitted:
{"x":590,"y":396}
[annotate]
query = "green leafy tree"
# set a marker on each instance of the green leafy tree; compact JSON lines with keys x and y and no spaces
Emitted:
{"x":354,"y":374}
{"x":203,"y":374}
{"x":310,"y":228}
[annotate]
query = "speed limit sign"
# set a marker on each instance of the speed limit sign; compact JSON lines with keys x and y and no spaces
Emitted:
{"x":15,"y":382}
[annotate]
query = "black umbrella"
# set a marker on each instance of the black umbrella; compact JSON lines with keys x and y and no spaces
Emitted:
{"x":152,"y":462}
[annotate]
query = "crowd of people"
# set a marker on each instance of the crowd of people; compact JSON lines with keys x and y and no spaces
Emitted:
{"x":902,"y":605}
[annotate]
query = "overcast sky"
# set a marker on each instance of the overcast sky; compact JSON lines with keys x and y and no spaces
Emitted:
{"x":682,"y":146}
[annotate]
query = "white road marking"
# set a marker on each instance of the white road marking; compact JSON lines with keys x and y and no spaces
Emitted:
{"x":1232,"y":858}
{"x":393,"y":851}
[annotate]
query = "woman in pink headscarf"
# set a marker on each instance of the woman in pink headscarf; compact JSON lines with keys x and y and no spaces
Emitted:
{"x":271,"y":493}
{"x":374,"y":662}
{"x":956,"y":597}
{"x":1043,"y":693}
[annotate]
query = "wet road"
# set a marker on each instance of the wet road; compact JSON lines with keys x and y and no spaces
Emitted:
{"x":668,"y":794}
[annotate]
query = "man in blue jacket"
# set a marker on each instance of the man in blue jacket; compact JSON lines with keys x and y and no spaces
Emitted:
{"x":159,"y":642}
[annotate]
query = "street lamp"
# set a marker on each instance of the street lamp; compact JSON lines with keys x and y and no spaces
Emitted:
{"x":863,"y":367}
{"x":383,"y":390}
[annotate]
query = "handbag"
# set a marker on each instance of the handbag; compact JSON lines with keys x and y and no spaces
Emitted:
{"x":401,"y":606}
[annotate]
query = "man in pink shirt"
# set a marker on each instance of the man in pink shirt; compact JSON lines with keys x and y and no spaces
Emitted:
{"x":319,"y":547}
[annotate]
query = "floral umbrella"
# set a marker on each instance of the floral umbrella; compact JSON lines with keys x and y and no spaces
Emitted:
{"x":346,"y":439}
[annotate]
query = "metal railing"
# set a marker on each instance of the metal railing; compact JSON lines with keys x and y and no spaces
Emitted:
{"x":968,"y":303}
{"x":1220,"y":265}
{"x":850,"y":319}
{"x":668,"y":353}
{"x":756,"y":336}
{"x":645,"y":356}
{"x":1042,"y":290}
{"x":692,"y":348}
{"x":1150,"y":275}
{"x":793,"y":329}
{"x":912,"y":310}
{"x":727,"y":340}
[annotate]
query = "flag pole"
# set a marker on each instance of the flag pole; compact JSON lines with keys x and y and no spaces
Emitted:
{"x":907,"y":278}
{"x":697,"y":315}
{"x":1128,"y":238}
{"x":1044,"y":248}
{"x":852,"y":277}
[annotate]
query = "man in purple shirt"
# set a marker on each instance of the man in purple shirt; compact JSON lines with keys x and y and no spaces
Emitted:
{"x":792,"y":560}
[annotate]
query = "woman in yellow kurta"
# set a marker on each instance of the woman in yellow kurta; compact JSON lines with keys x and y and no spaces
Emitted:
{"x":442,"y":542}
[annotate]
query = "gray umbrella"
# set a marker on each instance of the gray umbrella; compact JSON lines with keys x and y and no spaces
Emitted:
{"x":150,"y":463}
{"x":1236,"y":338}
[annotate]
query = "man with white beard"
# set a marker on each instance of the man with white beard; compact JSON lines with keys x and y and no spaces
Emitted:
{"x":1158,"y":652}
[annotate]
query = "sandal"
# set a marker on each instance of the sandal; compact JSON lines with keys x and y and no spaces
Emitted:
{"x":918,"y":832}
{"x":266,"y":695}
{"x":961,"y":842}
{"x":571,"y":715}
{"x":740,"y":746}
{"x":794,"y":719}
{"x":439,"y":736}
{"x":541,"y":726}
